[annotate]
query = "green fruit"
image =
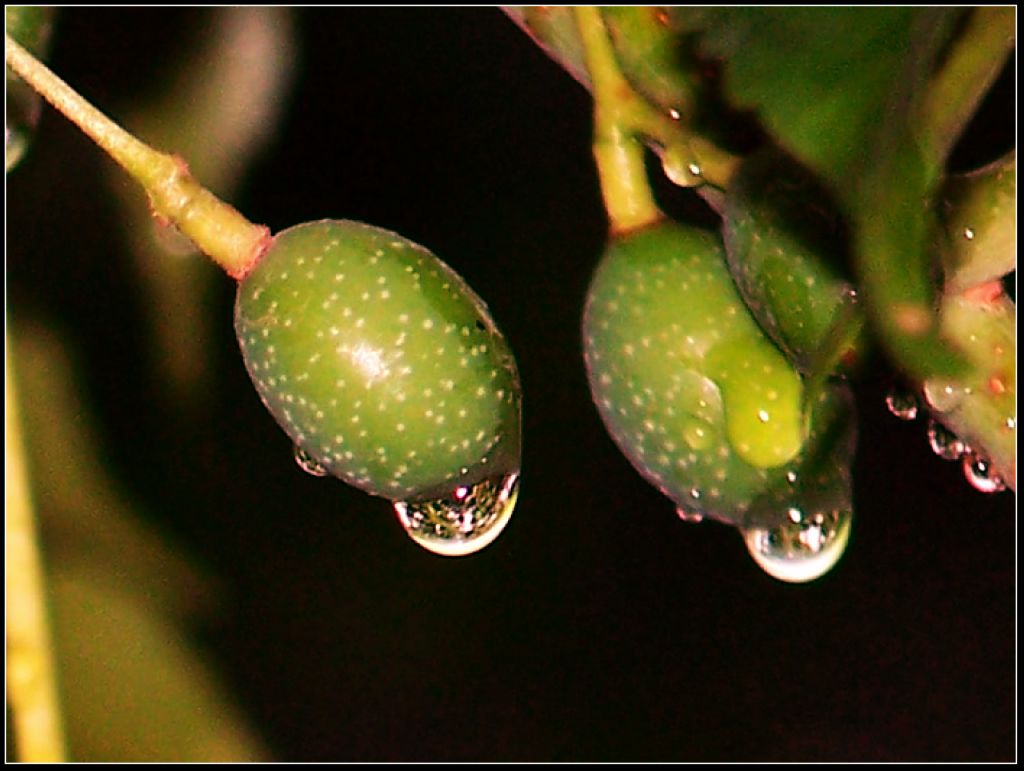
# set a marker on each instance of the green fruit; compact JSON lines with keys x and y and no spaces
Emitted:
{"x":378,"y":361}
{"x":786,"y":249}
{"x":692,"y":391}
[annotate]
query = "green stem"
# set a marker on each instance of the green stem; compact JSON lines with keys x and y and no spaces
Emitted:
{"x":974,"y":61}
{"x":617,"y":151}
{"x":623,"y":120}
{"x":32,"y":689}
{"x":215,"y":227}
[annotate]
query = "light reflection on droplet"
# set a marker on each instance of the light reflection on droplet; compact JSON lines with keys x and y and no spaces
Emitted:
{"x":979,"y":472}
{"x":944,"y":442}
{"x":464,"y":521}
{"x":308,"y":463}
{"x":902,"y":403}
{"x":803,"y":548}
{"x":942,"y":397}
{"x":689,"y":516}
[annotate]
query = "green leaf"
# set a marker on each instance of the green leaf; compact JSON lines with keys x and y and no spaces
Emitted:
{"x":819,"y":79}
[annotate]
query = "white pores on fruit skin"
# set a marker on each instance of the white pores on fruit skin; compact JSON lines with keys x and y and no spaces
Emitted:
{"x":379,"y":361}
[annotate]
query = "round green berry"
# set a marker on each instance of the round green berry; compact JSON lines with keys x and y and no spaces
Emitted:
{"x":379,"y":361}
{"x":692,"y":391}
{"x":786,"y":249}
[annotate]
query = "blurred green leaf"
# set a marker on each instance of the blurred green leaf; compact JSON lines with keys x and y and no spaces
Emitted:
{"x":135,"y":686}
{"x":221,"y":109}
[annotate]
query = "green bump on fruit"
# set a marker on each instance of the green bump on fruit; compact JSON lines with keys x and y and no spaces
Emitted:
{"x":690,"y":388}
{"x":379,"y":361}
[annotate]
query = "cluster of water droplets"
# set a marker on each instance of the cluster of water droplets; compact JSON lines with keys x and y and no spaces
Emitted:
{"x":455,"y":524}
{"x":943,"y":398}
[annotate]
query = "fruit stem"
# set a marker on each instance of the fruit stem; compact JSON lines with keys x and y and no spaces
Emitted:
{"x":975,"y":59}
{"x":216,"y":228}
{"x":618,"y":152}
{"x":31,"y":672}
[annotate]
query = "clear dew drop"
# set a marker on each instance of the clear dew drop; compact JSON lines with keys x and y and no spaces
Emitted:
{"x":802,"y":548}
{"x":464,"y":521}
{"x":981,"y":475}
{"x":902,"y":403}
{"x":941,"y":396}
{"x":686,"y":515}
{"x":308,"y":463}
{"x":944,"y":442}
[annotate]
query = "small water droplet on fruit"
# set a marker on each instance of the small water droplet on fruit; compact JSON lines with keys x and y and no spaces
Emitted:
{"x":941,"y":396}
{"x":689,"y":516}
{"x":969,"y":234}
{"x":802,"y":548}
{"x":308,"y":463}
{"x":465,"y":520}
{"x":902,"y":403}
{"x":981,"y":475}
{"x":944,"y":442}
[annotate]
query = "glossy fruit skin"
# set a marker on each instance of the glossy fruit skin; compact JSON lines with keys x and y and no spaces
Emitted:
{"x":695,"y":395}
{"x":786,"y":249}
{"x":379,"y":361}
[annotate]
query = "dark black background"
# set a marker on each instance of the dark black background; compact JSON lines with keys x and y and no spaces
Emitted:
{"x":598,"y":626}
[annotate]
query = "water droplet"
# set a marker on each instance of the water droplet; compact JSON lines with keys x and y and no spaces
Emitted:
{"x":969,"y":234}
{"x":674,"y":114}
{"x":981,"y":475}
{"x":308,"y":463}
{"x":941,"y":396}
{"x":902,"y":403}
{"x":464,"y":521}
{"x":689,"y":516}
{"x":678,"y":165}
{"x":802,"y":548}
{"x":944,"y":442}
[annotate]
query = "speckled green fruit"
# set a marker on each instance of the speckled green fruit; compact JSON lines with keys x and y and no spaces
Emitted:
{"x":378,"y":361}
{"x":691,"y":390}
{"x":786,"y":251}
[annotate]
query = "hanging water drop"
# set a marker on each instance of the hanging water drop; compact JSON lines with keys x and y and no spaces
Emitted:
{"x":902,"y":403}
{"x":802,"y":548}
{"x":944,"y":442}
{"x":308,"y":463}
{"x":465,"y":520}
{"x":981,"y":475}
{"x":942,"y":397}
{"x":686,"y":515}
